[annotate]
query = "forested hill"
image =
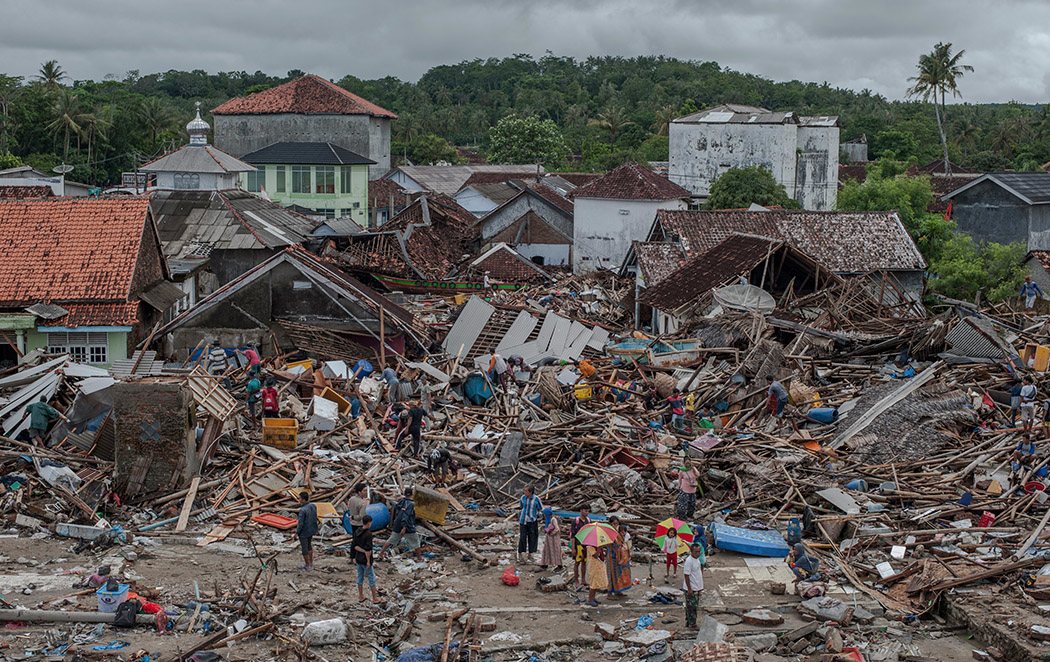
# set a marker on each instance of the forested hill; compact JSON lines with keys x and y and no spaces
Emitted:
{"x":609,"y":109}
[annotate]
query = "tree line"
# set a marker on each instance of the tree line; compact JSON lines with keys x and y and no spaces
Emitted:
{"x":603,"y":111}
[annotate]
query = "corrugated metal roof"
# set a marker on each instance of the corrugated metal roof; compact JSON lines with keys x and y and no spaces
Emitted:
{"x":198,"y":158}
{"x":468,"y":326}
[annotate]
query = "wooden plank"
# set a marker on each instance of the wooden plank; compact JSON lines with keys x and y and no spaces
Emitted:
{"x":187,"y":505}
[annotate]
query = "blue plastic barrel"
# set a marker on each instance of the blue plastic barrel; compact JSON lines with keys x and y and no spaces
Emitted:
{"x":823,"y":414}
{"x":857,"y":485}
{"x":379,"y":513}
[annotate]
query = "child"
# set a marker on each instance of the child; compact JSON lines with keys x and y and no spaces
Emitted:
{"x":671,"y":554}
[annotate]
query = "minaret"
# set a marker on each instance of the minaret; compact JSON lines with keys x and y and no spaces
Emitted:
{"x":198,"y":129}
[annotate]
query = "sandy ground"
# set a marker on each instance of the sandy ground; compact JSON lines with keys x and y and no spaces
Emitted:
{"x":523,"y":615}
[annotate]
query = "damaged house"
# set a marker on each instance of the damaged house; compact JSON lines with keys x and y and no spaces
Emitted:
{"x":537,"y":222}
{"x":873,"y":245}
{"x":211,"y":237}
{"x":295,"y":301}
{"x":80,"y":276}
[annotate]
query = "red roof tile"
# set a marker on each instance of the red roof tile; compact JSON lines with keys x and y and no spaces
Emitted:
{"x":553,"y":197}
{"x":98,"y":314}
{"x":306,"y":95}
{"x":632,"y":181}
{"x":579,"y":178}
{"x":42,"y":191}
{"x":69,"y":249}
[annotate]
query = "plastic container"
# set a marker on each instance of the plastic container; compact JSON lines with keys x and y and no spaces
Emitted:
{"x":987,"y":519}
{"x":823,"y":414}
{"x":380,"y":515}
{"x":280,"y":432}
{"x":857,"y":485}
{"x":108,"y":601}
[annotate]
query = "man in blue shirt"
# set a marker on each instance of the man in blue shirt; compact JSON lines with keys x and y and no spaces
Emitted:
{"x":529,"y":524}
{"x":1029,"y":290}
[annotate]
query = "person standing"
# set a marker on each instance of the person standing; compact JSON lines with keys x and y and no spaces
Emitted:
{"x":413,"y":421}
{"x":217,"y":361}
{"x":529,"y":523}
{"x":40,"y":416}
{"x":404,"y":525}
{"x":1030,"y":290}
{"x":498,"y":370}
{"x":777,"y":397}
{"x":693,"y":583}
{"x":393,"y":384}
{"x":271,"y":400}
{"x":357,"y":505}
{"x":688,"y":477}
{"x":552,"y":554}
{"x":364,"y":560}
{"x":1029,"y":393}
{"x":1015,"y":401}
{"x":618,"y":559}
{"x":597,"y":576}
{"x":677,"y":406}
{"x":670,"y":554}
{"x":252,"y":390}
{"x":579,"y":554}
{"x":306,"y":528}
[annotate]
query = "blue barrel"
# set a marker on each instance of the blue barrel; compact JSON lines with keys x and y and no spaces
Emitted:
{"x":823,"y":414}
{"x":379,"y":513}
{"x":857,"y":485}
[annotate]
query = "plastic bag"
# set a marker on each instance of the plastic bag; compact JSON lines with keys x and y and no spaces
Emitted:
{"x":510,"y":576}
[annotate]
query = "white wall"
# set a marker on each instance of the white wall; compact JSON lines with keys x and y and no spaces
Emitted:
{"x":817,"y":175}
{"x":700,"y":153}
{"x":208,"y":181}
{"x":405,"y":182}
{"x":603,"y":229}
{"x":554,"y":255}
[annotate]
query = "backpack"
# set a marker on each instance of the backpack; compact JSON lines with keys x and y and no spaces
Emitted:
{"x":269,"y":399}
{"x":126,"y":613}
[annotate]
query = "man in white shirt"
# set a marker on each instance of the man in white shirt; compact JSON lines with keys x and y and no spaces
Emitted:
{"x":693,"y":583}
{"x":1029,"y":393}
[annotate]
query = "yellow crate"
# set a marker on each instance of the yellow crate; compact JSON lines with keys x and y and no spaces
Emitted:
{"x":280,"y":432}
{"x":430,"y":505}
{"x":584,"y":391}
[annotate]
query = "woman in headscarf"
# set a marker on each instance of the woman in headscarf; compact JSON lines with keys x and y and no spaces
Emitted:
{"x":805,"y":566}
{"x":618,"y":560}
{"x":552,"y":555}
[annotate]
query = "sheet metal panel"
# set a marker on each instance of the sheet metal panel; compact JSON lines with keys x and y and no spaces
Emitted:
{"x":469,"y":325}
{"x":518,"y":332}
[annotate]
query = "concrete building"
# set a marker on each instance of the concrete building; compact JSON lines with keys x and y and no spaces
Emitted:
{"x":537,"y":223}
{"x":23,"y":176}
{"x":1004,"y":207}
{"x":325,"y":178}
{"x":307,"y":109}
{"x":612,"y":212}
{"x":802,"y":153}
{"x":197,"y":166}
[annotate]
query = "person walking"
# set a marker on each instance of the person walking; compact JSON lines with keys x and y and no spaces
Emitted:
{"x":412,"y":422}
{"x":1029,"y":393}
{"x":1030,"y":290}
{"x":403,"y":528}
{"x":693,"y":583}
{"x":364,"y":560}
{"x":252,"y":390}
{"x":306,"y":528}
{"x":271,"y":400}
{"x":552,"y":554}
{"x":529,"y":524}
{"x":579,"y":554}
{"x":40,"y":416}
{"x":688,"y":478}
{"x":1015,"y":401}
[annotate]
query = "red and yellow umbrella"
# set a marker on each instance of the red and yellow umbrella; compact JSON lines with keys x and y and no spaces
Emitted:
{"x":684,"y":531}
{"x":597,"y":534}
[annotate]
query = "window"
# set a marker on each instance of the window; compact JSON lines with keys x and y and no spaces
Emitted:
{"x":537,"y":259}
{"x":325,"y":180}
{"x":187,"y":180}
{"x":327,"y":213}
{"x":257,"y":180}
{"x":300,"y":179}
{"x":81,"y":347}
{"x":280,"y":179}
{"x":346,"y":179}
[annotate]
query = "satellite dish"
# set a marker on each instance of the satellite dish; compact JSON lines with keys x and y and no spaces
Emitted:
{"x":62,"y":169}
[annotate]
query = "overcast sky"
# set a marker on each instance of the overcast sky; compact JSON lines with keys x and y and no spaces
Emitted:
{"x":858,"y":44}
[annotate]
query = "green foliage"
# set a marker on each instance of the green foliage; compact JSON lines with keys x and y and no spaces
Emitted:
{"x":9,"y":160}
{"x":524,"y":140}
{"x":965,"y":268}
{"x":910,"y":197}
{"x":428,"y":149}
{"x":742,"y":187}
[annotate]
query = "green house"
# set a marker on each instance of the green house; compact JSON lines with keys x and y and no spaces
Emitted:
{"x":327,"y":178}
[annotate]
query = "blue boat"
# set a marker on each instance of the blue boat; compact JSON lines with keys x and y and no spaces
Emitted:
{"x":749,"y":541}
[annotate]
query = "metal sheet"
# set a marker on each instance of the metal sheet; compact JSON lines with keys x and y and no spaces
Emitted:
{"x":560,"y":336}
{"x":469,"y":325}
{"x":519,"y":331}
{"x":546,"y":331}
{"x":599,"y":337}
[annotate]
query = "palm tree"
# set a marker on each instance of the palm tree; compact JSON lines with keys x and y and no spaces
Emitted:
{"x":96,"y":127}
{"x":155,"y":116}
{"x":664,"y":117}
{"x":8,"y":89}
{"x":68,"y":119}
{"x":939,"y":73}
{"x":613,"y":119}
{"x":51,"y":75}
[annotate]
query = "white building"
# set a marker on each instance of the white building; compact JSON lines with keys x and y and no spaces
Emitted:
{"x":197,"y":166}
{"x":612,"y":212}
{"x":802,"y":153}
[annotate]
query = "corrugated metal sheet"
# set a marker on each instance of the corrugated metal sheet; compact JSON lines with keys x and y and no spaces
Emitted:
{"x":468,"y":326}
{"x":519,"y":332}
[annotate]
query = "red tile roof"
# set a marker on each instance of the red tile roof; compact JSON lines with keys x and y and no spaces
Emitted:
{"x":98,"y":314}
{"x":489,"y":177}
{"x":307,"y":95}
{"x":69,"y":249}
{"x":632,"y":181}
{"x":579,"y":178}
{"x":380,"y":190}
{"x":553,"y":197}
{"x":42,"y":191}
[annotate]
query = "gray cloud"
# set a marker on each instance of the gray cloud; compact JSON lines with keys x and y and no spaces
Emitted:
{"x":851,"y":43}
